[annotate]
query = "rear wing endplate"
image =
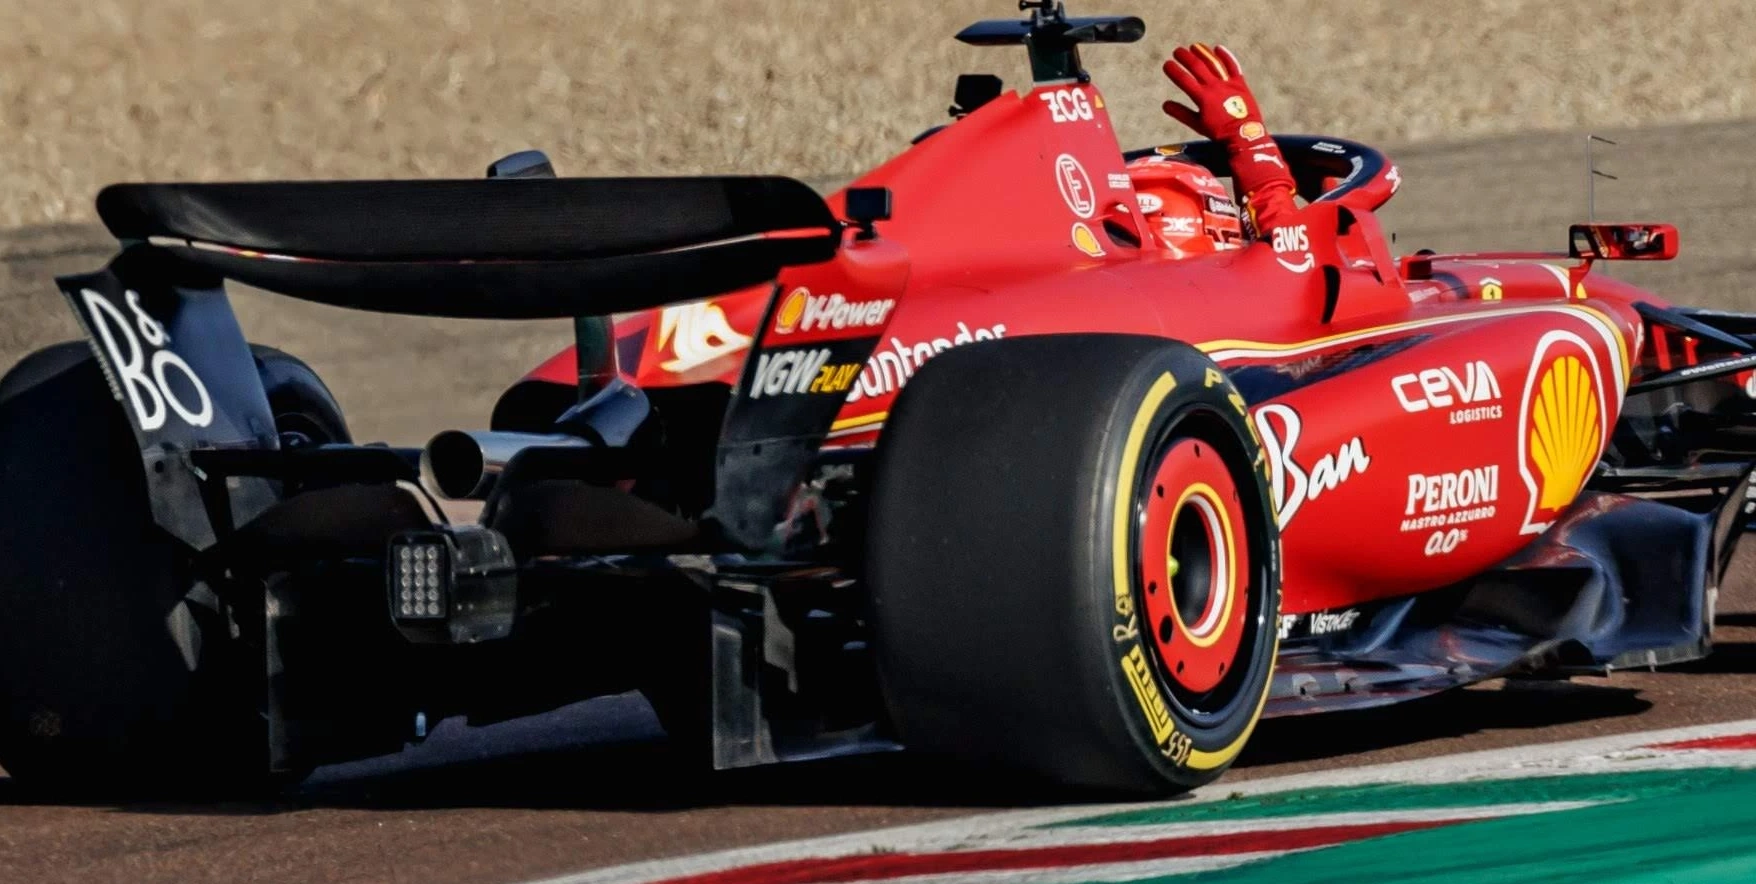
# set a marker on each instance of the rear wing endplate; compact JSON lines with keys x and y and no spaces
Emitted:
{"x":180,"y":369}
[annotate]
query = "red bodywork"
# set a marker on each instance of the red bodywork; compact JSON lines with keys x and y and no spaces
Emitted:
{"x":1438,"y":418}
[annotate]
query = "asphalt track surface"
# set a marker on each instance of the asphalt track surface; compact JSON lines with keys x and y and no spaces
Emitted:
{"x":591,"y":785}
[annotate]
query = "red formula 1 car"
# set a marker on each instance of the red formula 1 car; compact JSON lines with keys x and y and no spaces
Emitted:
{"x":970,"y":457}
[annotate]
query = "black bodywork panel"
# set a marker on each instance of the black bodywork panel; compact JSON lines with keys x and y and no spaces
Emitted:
{"x":1618,"y":582}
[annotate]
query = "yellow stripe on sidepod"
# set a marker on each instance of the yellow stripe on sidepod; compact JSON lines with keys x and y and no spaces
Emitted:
{"x":1228,"y":350}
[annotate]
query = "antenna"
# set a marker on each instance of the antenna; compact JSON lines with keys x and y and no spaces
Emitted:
{"x":1043,"y":10}
{"x":1593,"y":173}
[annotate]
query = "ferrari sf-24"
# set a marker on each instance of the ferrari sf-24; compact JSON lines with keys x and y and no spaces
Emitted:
{"x":819,"y":475}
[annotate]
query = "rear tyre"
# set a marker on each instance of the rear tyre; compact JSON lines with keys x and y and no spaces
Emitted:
{"x":121,"y":671}
{"x":1073,"y":562}
{"x":305,"y":412}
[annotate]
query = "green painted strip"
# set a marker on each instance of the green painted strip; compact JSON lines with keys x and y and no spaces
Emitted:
{"x":1674,"y":827}
{"x":1398,"y":796}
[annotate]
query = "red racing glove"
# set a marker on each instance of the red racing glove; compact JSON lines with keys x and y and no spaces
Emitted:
{"x":1225,"y":111}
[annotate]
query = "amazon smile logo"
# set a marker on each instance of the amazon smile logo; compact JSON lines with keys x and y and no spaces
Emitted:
{"x":1292,"y":240}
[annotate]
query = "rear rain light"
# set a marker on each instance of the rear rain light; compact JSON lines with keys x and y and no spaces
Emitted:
{"x":420,"y":575}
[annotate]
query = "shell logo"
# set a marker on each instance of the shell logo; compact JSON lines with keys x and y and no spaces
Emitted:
{"x":1563,"y":427}
{"x":791,"y":310}
{"x":1086,"y":241}
{"x":1564,"y":431}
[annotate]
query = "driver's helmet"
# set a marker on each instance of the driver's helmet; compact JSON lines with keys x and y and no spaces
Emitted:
{"x":1185,"y":205}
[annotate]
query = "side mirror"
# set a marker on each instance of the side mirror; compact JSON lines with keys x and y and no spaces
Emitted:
{"x":866,"y":206}
{"x":524,"y":164}
{"x":973,"y":91}
{"x":1622,"y":242}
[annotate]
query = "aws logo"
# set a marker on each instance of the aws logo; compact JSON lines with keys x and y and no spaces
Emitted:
{"x":1564,"y":423}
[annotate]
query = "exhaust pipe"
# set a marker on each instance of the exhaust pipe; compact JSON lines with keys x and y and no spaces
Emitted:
{"x":463,"y":465}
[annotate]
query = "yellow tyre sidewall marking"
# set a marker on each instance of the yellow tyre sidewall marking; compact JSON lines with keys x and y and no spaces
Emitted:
{"x":1149,"y":406}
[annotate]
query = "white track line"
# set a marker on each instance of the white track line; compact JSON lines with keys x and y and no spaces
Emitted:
{"x":1621,"y":752}
{"x":1128,"y":871}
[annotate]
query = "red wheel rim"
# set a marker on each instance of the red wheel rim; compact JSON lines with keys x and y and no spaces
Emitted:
{"x":1194,"y":566}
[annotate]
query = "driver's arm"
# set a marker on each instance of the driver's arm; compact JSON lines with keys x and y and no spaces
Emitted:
{"x":1225,"y":111}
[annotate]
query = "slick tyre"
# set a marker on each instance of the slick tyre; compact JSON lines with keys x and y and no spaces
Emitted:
{"x":121,"y":671}
{"x":1073,"y":562}
{"x":305,"y":412}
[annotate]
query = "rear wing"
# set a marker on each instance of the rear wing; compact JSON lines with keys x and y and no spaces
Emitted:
{"x":520,"y":248}
{"x":159,"y":323}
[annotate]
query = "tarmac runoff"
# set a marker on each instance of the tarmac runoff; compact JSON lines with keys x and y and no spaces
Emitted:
{"x":1675,"y":805}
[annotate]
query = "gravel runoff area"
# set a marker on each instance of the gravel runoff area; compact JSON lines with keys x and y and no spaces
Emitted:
{"x":107,"y":90}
